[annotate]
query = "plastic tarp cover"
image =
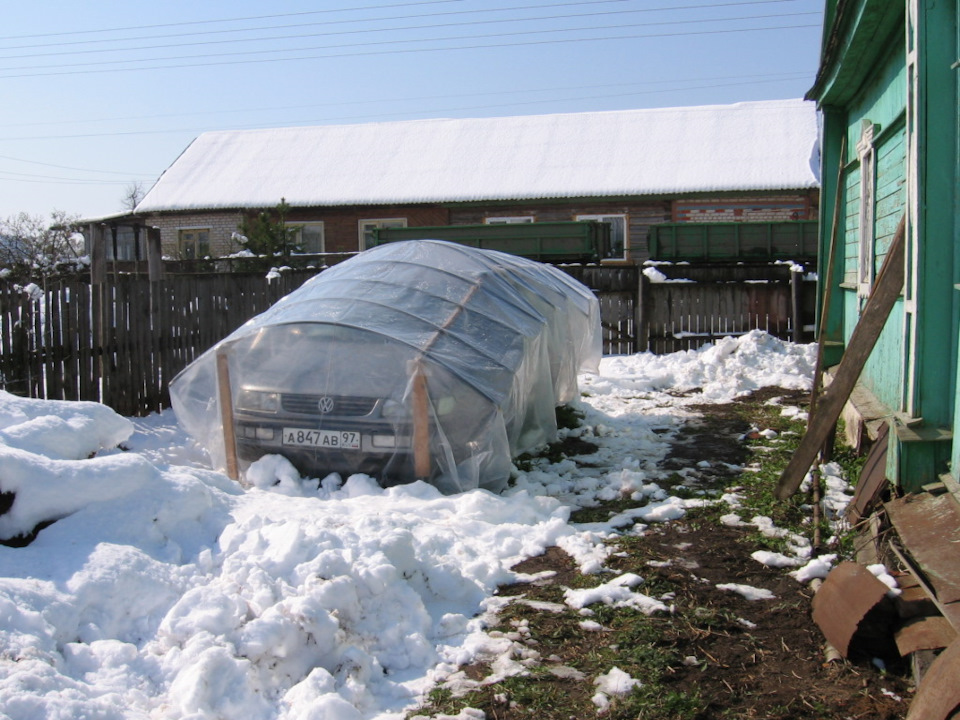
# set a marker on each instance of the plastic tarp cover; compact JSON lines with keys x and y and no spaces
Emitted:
{"x":413,"y":360}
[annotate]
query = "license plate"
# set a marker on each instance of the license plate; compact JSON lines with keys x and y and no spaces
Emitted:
{"x":322,"y":439}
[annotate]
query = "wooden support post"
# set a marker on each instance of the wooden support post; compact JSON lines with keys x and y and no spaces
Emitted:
{"x":885,"y":292}
{"x":643,"y":312}
{"x":421,"y":425}
{"x":154,"y":255}
{"x":226,"y":414}
{"x":796,"y":304}
{"x":98,"y":253}
{"x":828,"y":288}
{"x":98,"y":277}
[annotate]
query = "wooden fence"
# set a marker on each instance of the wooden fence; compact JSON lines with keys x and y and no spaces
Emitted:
{"x":700,"y":304}
{"x":121,"y":342}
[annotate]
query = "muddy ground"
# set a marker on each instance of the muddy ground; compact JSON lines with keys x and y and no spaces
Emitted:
{"x":753,"y":659}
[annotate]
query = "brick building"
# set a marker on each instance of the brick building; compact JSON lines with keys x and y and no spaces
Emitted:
{"x":747,"y":162}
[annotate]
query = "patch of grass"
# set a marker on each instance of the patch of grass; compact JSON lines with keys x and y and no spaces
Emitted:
{"x":569,"y":417}
{"x":603,"y":511}
{"x":653,"y":648}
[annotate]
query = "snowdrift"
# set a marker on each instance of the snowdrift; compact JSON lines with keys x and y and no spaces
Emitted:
{"x":413,"y":360}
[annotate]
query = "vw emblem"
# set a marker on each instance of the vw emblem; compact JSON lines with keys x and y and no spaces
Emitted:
{"x":325,"y":404}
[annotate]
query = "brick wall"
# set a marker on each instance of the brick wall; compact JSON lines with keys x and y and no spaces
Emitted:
{"x":341,"y":225}
{"x":772,"y":208}
{"x":222,"y":225}
{"x":640,"y":215}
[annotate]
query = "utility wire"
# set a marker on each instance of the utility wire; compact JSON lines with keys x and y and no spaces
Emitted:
{"x":364,"y":31}
{"x":379,"y":102}
{"x":380,"y":115}
{"x":373,"y":43}
{"x":61,"y":167}
{"x":184,"y":23}
{"x":607,"y":38}
{"x":327,"y":23}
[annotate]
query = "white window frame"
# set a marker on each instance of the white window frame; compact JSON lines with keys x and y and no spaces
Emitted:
{"x":509,"y":220}
{"x":622,"y":218}
{"x":866,"y":257}
{"x":314,"y":225}
{"x":198,"y":228}
{"x":367,"y":224}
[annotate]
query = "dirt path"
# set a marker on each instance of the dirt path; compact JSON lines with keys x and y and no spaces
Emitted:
{"x":718,"y":654}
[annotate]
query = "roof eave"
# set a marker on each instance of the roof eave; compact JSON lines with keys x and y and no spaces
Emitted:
{"x":859,"y":34}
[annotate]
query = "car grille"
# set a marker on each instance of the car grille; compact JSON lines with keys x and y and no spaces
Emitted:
{"x":343,"y":405}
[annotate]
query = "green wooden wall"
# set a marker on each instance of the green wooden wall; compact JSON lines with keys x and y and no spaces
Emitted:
{"x":882,"y":103}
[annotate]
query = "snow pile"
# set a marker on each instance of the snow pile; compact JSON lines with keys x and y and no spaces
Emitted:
{"x":717,"y":372}
{"x":616,"y":593}
{"x":162,"y":589}
{"x":614,"y":682}
{"x":748,"y":592}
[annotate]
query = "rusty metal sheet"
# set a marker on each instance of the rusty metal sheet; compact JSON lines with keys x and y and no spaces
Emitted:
{"x":925,"y":633}
{"x":913,"y":601}
{"x":873,"y":478}
{"x":848,"y":594}
{"x":938,"y":695}
{"x":929,"y":528}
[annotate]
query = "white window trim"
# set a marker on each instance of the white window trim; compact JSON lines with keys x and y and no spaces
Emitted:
{"x":604,"y":217}
{"x":370,"y":223}
{"x":866,"y":258}
{"x":311,"y":224}
{"x":509,"y":220}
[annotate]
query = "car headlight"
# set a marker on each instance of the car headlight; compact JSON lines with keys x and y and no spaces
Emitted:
{"x":258,"y":401}
{"x":393,"y":409}
{"x":445,"y":405}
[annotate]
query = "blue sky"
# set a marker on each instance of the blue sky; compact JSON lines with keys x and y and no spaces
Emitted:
{"x":99,"y":95}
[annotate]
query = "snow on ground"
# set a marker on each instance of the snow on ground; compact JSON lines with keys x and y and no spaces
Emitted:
{"x":162,"y":589}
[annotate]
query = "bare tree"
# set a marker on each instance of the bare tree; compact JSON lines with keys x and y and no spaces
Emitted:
{"x":132,"y":195}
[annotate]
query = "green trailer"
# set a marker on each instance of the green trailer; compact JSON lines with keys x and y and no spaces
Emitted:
{"x":552,"y":242}
{"x":734,"y":241}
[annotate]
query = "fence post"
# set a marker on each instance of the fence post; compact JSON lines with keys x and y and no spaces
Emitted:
{"x":796,"y":302}
{"x":154,"y":254}
{"x":98,"y":276}
{"x":643,"y":312}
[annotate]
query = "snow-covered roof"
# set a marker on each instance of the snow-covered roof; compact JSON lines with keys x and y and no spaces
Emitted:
{"x":767,"y":145}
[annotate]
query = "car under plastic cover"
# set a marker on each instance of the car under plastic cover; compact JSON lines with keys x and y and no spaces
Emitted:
{"x":413,"y":360}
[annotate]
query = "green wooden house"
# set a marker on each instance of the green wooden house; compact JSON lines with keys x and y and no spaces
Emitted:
{"x":887,"y":88}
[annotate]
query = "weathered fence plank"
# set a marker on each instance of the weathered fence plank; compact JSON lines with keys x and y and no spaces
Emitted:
{"x":121,"y":341}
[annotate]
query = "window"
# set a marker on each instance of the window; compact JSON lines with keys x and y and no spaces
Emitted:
{"x":194,"y":243}
{"x":309,"y":236}
{"x":866,"y":257}
{"x":122,"y":244}
{"x":509,"y":220}
{"x":367,"y":227}
{"x":618,"y":233}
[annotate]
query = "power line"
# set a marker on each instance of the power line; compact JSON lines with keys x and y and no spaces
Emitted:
{"x":61,"y":167}
{"x":607,"y":38}
{"x":73,"y":33}
{"x":328,"y":23}
{"x":247,"y":53}
{"x":344,"y":118}
{"x":398,"y":29}
{"x":775,"y":77}
{"x":323,"y":22}
{"x":29,"y":178}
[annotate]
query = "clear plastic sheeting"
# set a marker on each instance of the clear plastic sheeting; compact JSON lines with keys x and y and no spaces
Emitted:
{"x":414,"y":360}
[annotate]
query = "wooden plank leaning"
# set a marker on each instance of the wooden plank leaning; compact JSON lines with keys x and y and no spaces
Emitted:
{"x":886,"y":290}
{"x":225,"y":394}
